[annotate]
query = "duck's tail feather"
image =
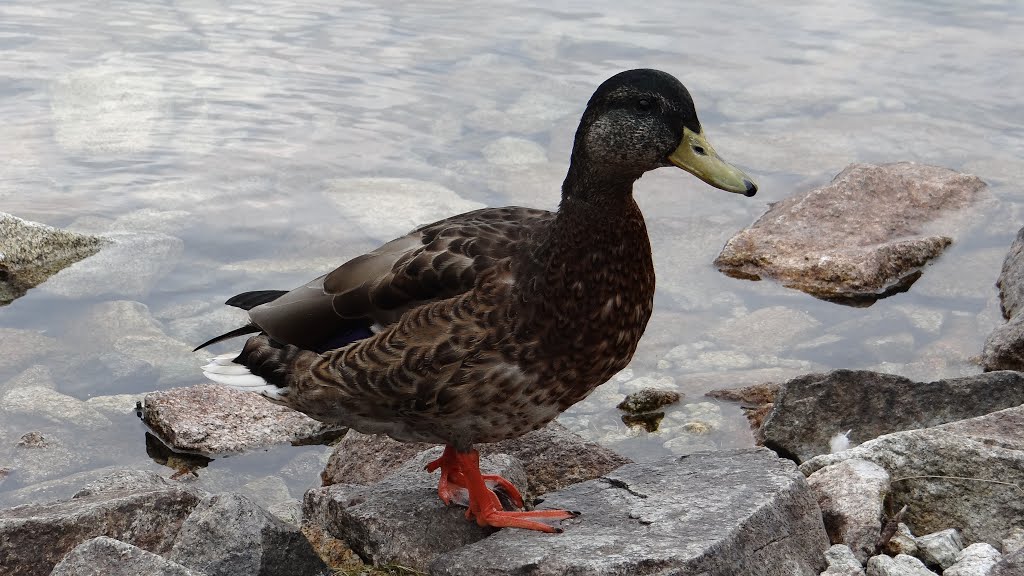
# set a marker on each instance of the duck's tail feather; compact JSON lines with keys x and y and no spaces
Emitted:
{"x":250,"y":300}
{"x":263,"y":366}
{"x":247,"y":329}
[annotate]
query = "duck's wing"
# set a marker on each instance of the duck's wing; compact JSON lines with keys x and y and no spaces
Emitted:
{"x":433,"y":262}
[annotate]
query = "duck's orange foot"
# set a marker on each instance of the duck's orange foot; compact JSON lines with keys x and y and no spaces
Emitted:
{"x":461,"y":480}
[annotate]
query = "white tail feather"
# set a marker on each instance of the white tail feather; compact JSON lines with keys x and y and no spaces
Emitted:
{"x":222,"y":370}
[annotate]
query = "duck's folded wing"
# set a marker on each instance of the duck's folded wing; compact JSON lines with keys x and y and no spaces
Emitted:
{"x":431,"y":263}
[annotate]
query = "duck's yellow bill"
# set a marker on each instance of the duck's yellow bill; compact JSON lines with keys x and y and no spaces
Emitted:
{"x":695,"y":155}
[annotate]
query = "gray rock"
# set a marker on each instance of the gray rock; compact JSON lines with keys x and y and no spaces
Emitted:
{"x":1013,"y":541}
{"x":51,"y":455}
{"x":1004,"y":347}
{"x":939,"y":548}
{"x":104,"y":556}
{"x":713,"y":513}
{"x":400,"y":519}
{"x":810,"y":409}
{"x":130,"y":265}
{"x":22,"y":348}
{"x":44,"y":402}
{"x":31,"y":252}
{"x":902,"y":542}
{"x":553,"y":456}
{"x":975,"y":560}
{"x":1010,"y":565}
{"x":851,"y":495}
{"x":1011,"y":279}
{"x":213,"y":419}
{"x":648,"y":399}
{"x":138,"y":508}
{"x":901,"y":565}
{"x":842,"y":562}
{"x":965,"y":474}
{"x":861,"y":237}
{"x":229,"y":535}
{"x":49,"y":490}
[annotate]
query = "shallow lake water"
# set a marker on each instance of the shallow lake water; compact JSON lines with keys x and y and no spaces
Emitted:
{"x":250,"y":145}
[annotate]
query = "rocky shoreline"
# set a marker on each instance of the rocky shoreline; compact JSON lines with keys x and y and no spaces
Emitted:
{"x":861,"y":472}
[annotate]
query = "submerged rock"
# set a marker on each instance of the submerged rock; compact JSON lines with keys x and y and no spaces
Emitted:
{"x":811,"y":409}
{"x":714,"y":513}
{"x":103,"y":556}
{"x":31,"y":252}
{"x":966,"y":474}
{"x":216,"y":420}
{"x":138,"y":508}
{"x":862,"y":237}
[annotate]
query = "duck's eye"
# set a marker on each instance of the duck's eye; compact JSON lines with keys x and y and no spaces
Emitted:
{"x":644,"y":105}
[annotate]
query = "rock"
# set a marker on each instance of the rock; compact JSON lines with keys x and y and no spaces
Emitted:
{"x":39,"y":457}
{"x":963,"y":474}
{"x":59,"y":408}
{"x":901,"y":565}
{"x":757,"y":400}
{"x":1010,"y":565}
{"x":648,"y":400}
{"x":130,"y":265}
{"x":1014,"y":541}
{"x":22,"y":348}
{"x":386,"y":208}
{"x":864,"y":236}
{"x":139,"y":508}
{"x":31,"y":252}
{"x":766,"y":330}
{"x":1011,"y":279}
{"x":116,"y":404}
{"x":229,"y":535}
{"x":975,"y":560}
{"x":49,"y":490}
{"x":32,"y":440}
{"x":902,"y":542}
{"x":213,"y":419}
{"x":851,"y":495}
{"x":714,"y":513}
{"x":810,"y":409}
{"x":649,"y":421}
{"x":1004,"y":347}
{"x":842,"y":562}
{"x":400,"y":519}
{"x":553,"y":456}
{"x":104,"y":556}
{"x":939,"y":548}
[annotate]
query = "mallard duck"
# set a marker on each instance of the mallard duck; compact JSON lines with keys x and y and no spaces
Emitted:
{"x":489,"y":324}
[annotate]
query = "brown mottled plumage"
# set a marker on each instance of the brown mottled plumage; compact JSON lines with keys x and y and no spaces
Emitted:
{"x":493,"y":322}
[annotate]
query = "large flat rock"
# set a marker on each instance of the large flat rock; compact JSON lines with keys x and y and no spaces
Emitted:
{"x":1004,"y":348}
{"x":139,"y":508}
{"x":965,"y":474}
{"x":216,"y":420}
{"x":864,"y":236}
{"x":811,"y":409}
{"x":103,"y":556}
{"x":713,"y":513}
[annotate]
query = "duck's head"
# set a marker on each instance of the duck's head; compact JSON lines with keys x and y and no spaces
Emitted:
{"x":639,"y":120}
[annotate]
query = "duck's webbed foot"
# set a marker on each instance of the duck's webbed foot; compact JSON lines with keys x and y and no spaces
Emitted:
{"x":462,"y":482}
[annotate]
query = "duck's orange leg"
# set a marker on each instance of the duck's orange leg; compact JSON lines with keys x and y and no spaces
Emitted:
{"x":462,"y":470}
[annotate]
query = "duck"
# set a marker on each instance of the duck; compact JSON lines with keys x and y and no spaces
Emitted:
{"x":489,"y":324}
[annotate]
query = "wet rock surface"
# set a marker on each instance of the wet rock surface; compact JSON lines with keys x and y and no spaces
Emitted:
{"x":964,"y":474}
{"x":723,"y":513}
{"x":865,"y":235}
{"x":400,"y":519}
{"x":229,"y":535}
{"x":135,"y":507}
{"x":31,"y":252}
{"x":553,"y":457}
{"x":811,"y":409}
{"x":103,"y":556}
{"x":213,"y":419}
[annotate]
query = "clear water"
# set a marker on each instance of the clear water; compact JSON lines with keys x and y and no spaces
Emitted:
{"x":233,"y":127}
